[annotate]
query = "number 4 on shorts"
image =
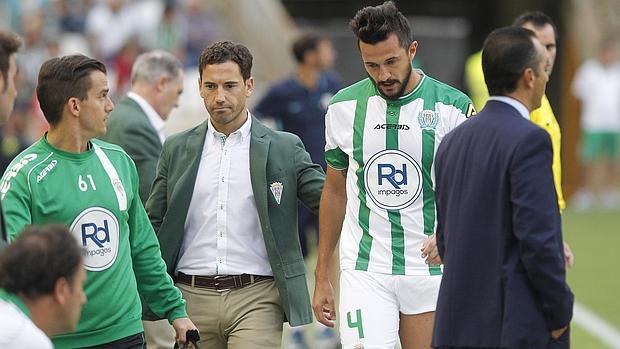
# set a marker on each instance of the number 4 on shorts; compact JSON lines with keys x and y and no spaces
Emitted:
{"x":357,"y":324}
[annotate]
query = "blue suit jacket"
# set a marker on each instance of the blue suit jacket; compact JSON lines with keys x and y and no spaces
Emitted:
{"x":499,"y":234}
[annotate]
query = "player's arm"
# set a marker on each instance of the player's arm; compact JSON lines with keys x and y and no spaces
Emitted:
{"x":310,"y":178}
{"x":331,"y":216}
{"x":154,"y":283}
{"x":16,"y":201}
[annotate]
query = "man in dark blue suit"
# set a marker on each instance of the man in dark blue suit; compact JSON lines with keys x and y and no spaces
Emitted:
{"x":499,"y":230}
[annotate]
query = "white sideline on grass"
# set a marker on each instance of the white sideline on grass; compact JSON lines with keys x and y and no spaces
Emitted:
{"x":596,"y":326}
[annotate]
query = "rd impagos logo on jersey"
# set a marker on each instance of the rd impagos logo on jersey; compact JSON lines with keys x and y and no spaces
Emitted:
{"x":393,"y":179}
{"x":97,"y":230}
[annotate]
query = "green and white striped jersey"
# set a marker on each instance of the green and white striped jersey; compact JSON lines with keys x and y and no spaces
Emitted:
{"x":388,"y":148}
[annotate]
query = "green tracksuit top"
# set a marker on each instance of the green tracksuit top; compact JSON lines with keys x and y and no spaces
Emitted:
{"x":95,"y":194}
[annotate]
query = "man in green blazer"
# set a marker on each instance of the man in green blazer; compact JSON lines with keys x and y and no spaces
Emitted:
{"x":137,"y":125}
{"x":224,"y":206}
{"x":137,"y":122}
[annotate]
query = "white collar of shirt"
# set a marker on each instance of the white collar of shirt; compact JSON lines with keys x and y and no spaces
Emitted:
{"x":514,"y":103}
{"x":154,"y":118}
{"x":238,"y":136}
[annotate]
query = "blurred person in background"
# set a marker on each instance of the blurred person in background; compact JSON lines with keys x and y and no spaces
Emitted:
{"x":597,"y":85}
{"x":546,"y":32}
{"x":10,"y":43}
{"x":381,"y":137}
{"x":298,"y":105}
{"x":137,"y":125}
{"x":92,"y":187}
{"x":110,"y":25}
{"x":41,"y":287}
{"x":202,"y":29}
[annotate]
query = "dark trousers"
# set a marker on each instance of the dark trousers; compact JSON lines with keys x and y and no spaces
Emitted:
{"x":136,"y":341}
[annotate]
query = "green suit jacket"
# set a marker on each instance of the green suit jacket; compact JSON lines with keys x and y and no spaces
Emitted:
{"x":274,"y":157}
{"x":129,"y":127}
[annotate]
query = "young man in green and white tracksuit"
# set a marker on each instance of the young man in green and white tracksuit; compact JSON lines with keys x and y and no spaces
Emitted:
{"x":378,"y":198}
{"x":92,"y":187}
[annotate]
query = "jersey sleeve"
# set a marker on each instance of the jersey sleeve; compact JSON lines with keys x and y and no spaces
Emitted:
{"x":334,"y":156}
{"x":16,"y":199}
{"x":154,"y":284}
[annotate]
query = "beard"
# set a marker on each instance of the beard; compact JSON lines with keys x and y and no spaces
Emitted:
{"x":401,"y":90}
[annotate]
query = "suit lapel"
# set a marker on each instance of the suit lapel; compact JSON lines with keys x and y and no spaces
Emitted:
{"x":259,"y":148}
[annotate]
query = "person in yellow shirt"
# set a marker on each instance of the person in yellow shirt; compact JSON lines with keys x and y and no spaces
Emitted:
{"x":545,"y":30}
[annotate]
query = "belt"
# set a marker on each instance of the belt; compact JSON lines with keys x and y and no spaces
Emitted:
{"x":220,"y":283}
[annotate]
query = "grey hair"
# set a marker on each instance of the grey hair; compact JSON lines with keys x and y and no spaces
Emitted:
{"x":151,"y":65}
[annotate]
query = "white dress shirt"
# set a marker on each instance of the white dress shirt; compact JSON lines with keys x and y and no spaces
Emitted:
{"x":156,"y":121}
{"x":223,"y":234}
{"x":522,"y":109}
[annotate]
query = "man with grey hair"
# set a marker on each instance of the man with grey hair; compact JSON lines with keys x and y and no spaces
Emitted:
{"x":137,"y":124}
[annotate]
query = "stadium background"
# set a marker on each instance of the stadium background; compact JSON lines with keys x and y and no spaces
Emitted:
{"x":448,"y":31}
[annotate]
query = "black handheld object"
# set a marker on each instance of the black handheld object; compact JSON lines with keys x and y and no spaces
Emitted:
{"x":191,"y":336}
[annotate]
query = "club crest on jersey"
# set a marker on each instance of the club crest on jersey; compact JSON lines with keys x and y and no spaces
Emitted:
{"x":97,"y":231}
{"x":393,"y":179}
{"x":276,"y":190}
{"x":428,"y":119}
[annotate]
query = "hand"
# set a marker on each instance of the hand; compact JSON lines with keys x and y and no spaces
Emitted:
{"x":430,"y":253}
{"x":181,"y":326}
{"x":323,"y":302}
{"x":555,"y":334}
{"x":569,"y":258}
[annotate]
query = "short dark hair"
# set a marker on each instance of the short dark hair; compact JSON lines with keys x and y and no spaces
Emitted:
{"x":374,"y":24}
{"x":9,"y":44}
{"x":307,"y":42}
{"x":224,"y":51}
{"x":538,"y":18}
{"x":61,"y":78}
{"x":37,"y":259}
{"x":506,"y":53}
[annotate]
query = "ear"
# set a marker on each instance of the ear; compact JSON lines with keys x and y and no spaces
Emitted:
{"x":62,"y":289}
{"x":249,"y":86}
{"x":528,"y":78}
{"x":160,"y":85}
{"x":73,"y":105}
{"x":200,"y":86}
{"x":1,"y":82}
{"x":413,"y":48}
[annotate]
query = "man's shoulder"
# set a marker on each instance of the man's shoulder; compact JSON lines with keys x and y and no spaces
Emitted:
{"x":360,"y":90}
{"x":18,"y":331}
{"x":179,"y":138}
{"x":26,"y":160}
{"x":126,"y":112}
{"x":445,"y":93}
{"x":111,"y":149}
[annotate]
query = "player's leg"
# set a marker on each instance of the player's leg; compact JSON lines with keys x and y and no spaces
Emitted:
{"x":417,"y":296}
{"x":368,"y":311}
{"x":416,"y":331}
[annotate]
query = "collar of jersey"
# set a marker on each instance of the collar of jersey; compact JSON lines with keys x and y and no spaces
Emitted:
{"x":406,"y":99}
{"x":9,"y":297}
{"x":70,"y":155}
